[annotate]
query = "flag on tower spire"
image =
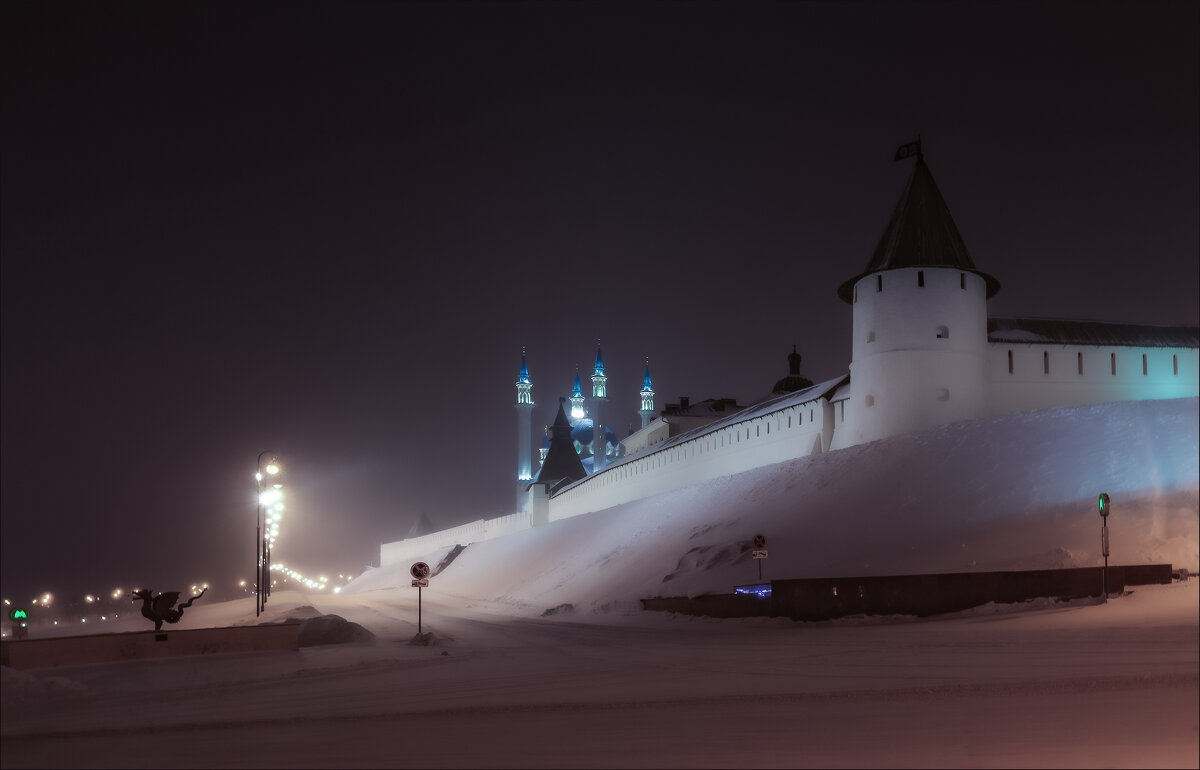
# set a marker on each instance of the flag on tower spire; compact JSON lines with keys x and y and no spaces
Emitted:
{"x":910,"y":150}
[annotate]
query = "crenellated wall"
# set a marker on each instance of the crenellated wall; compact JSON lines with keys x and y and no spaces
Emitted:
{"x":1022,"y":377}
{"x":765,"y":439}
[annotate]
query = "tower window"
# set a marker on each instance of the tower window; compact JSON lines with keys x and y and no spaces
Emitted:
{"x":1080,"y":359}
{"x":1010,"y":362}
{"x":879,"y":283}
{"x":962,"y":280}
{"x":870,"y":336}
{"x":920,"y":278}
{"x":943,"y":333}
{"x":1144,"y":364}
{"x":1175,"y":364}
{"x":870,"y":401}
{"x":943,"y":394}
{"x":1046,"y":361}
{"x":856,"y":292}
{"x":1113,"y":360}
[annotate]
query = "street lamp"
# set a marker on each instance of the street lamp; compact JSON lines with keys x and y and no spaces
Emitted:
{"x":270,"y":510}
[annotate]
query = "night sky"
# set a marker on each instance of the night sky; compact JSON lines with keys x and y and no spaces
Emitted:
{"x":328,"y":229}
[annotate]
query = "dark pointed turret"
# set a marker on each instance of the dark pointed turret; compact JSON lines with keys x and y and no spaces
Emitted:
{"x":562,"y":462}
{"x":921,"y":233}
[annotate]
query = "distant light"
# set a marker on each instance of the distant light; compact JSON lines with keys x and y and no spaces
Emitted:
{"x":272,"y":469}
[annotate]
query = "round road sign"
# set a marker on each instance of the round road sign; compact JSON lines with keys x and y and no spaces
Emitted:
{"x":420,"y":570}
{"x":760,"y":541}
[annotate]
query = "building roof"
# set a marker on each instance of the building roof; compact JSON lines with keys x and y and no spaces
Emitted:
{"x":921,"y":233}
{"x":793,"y":381}
{"x":1107,"y":333}
{"x":708,"y":408}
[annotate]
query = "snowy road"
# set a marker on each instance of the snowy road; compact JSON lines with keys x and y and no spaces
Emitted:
{"x":1113,"y":685}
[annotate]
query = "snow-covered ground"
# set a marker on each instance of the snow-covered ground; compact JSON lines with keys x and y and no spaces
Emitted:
{"x":600,"y":683}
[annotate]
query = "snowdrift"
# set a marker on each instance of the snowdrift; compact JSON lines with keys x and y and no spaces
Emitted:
{"x":1014,"y":492}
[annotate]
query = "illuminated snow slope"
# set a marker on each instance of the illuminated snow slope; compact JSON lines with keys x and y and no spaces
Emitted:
{"x":1015,"y":492}
{"x":1040,"y":684}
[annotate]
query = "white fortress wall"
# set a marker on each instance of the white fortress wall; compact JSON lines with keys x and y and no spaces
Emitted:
{"x":763,"y":438}
{"x":1027,"y":376}
{"x":757,"y":440}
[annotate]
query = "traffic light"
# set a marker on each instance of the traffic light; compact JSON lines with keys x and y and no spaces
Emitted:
{"x":1102,"y":502}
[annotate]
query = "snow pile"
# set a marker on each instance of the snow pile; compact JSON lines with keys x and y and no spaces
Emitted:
{"x":318,"y":629}
{"x":1015,"y":492}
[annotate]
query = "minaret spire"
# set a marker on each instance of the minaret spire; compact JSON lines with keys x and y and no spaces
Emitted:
{"x":647,"y":410}
{"x":524,"y":409}
{"x":577,"y":412}
{"x":599,"y":398}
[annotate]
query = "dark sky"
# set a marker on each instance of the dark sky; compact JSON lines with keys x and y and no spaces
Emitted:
{"x":328,"y":229}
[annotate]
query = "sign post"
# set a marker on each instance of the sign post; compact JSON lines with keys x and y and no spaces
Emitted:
{"x":1105,"y":508}
{"x":760,"y":552}
{"x":420,"y":572}
{"x":20,"y":618}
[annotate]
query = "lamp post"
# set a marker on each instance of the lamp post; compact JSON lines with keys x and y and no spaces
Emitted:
{"x":270,"y":485}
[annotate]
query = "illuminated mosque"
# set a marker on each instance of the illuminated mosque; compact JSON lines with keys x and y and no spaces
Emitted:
{"x":924,"y":353}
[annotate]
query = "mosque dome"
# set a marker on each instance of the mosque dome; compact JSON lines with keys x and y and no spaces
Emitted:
{"x":583,"y":431}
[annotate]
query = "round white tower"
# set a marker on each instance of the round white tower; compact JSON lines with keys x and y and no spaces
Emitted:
{"x":920,"y":324}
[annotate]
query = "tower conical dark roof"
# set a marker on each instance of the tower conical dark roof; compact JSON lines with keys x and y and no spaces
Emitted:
{"x":921,"y":233}
{"x":562,"y":462}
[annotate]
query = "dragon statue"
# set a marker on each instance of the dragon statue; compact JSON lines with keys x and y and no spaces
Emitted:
{"x":162,"y":607}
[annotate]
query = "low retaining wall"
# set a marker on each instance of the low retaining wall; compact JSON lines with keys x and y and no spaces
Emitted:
{"x":920,"y":595}
{"x":103,"y":648}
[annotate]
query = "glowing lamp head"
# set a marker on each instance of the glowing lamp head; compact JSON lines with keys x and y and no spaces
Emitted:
{"x":1103,"y":504}
{"x":272,"y":469}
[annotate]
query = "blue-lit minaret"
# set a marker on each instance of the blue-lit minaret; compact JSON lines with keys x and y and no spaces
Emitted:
{"x":647,"y":410}
{"x":524,"y":409}
{"x":600,"y":397}
{"x":577,"y":412}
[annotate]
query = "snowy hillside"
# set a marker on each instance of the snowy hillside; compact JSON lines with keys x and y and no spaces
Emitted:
{"x":1015,"y":492}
